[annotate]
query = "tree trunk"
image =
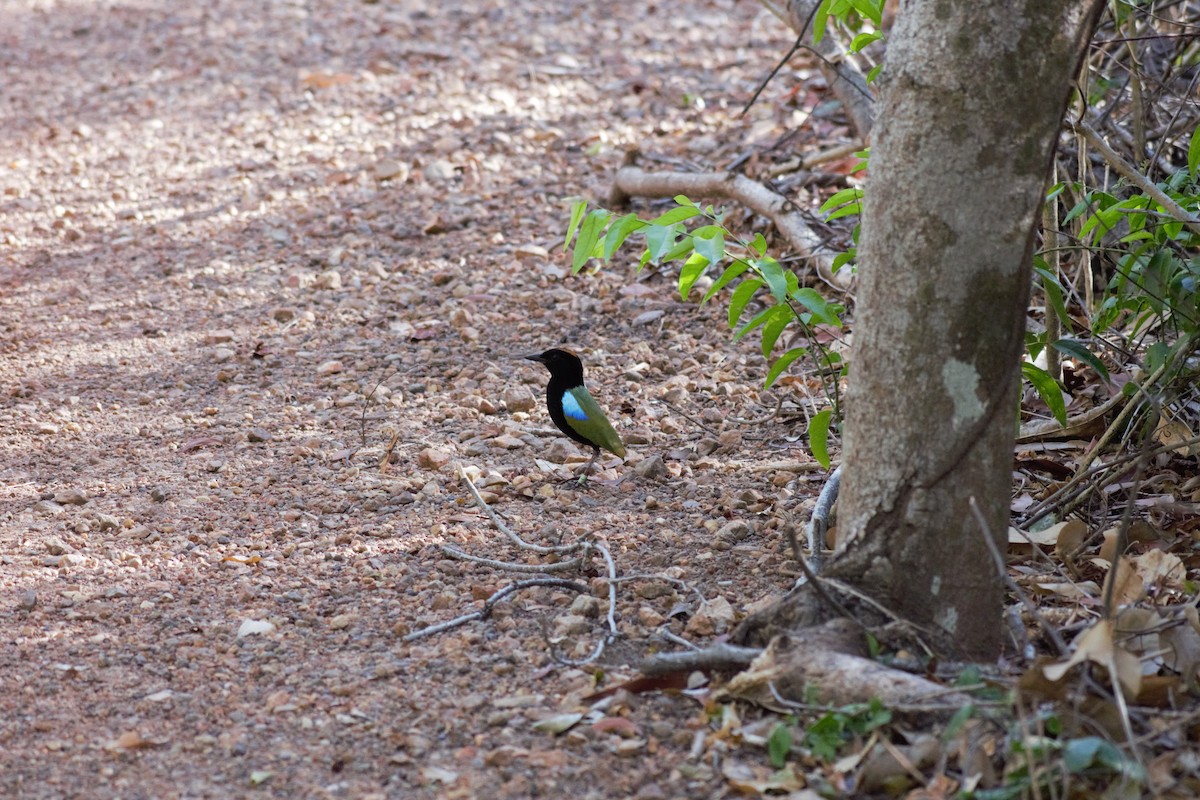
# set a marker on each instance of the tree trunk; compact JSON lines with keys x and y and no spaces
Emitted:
{"x":973,"y":98}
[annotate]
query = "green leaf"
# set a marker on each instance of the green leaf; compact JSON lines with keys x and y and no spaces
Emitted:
{"x":956,"y":722}
{"x":741,"y":296}
{"x":1047,"y":389}
{"x":779,"y":745}
{"x":863,"y":39}
{"x":1194,"y":153}
{"x":853,"y":194}
{"x":758,"y":319}
{"x":693,"y":268}
{"x":870,"y":9}
{"x":711,"y":246}
{"x":782,"y":363}
{"x":589,"y":235}
{"x":731,"y":273}
{"x":845,"y":211}
{"x":683,"y":200}
{"x":821,"y":310}
{"x":759,"y":245}
{"x":820,"y":21}
{"x":779,"y":318}
{"x":619,"y":231}
{"x":682,"y":248}
{"x":874,"y":73}
{"x":578,"y":209}
{"x":677,"y":214}
{"x":659,"y":240}
{"x":1078,"y":350}
{"x":772,"y":272}
{"x":818,"y":436}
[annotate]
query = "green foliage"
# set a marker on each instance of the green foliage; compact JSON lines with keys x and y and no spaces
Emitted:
{"x":829,"y":733}
{"x":745,"y":266}
{"x":779,"y":745}
{"x":1041,"y":764}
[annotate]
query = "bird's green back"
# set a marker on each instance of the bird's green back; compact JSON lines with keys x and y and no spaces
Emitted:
{"x":596,"y":428}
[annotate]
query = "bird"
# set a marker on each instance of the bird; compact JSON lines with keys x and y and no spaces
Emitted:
{"x":573,"y":409}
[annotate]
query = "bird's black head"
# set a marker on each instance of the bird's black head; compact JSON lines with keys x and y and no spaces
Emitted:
{"x":563,"y":365}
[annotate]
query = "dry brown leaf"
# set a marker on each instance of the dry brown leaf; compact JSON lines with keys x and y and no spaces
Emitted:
{"x":1129,"y":588}
{"x":1160,"y":568}
{"x":1176,"y":432}
{"x":1096,"y":645}
{"x":1071,"y":535}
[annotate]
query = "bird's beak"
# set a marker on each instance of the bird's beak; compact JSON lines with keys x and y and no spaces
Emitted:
{"x":536,"y":357}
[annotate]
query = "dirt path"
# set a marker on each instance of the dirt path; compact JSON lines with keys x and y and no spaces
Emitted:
{"x":244,"y":246}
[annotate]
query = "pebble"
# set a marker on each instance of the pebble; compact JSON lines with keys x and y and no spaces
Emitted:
{"x":507,"y":442}
{"x":439,"y":171}
{"x":571,"y":625}
{"x":71,"y":497}
{"x":331,"y":367}
{"x":733,"y":531}
{"x":389,"y":169}
{"x":432,"y":458}
{"x":47,"y":508}
{"x":46,"y":429}
{"x":222,"y":354}
{"x":259,"y":435}
{"x":28,"y":600}
{"x":57,"y":547}
{"x":651,"y":468}
{"x":519,"y":400}
{"x":283,"y":314}
{"x":329,"y":279}
{"x":586,"y":606}
{"x":342,"y":621}
{"x":219,"y":337}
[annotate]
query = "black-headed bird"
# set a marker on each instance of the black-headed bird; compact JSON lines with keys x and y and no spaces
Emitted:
{"x":573,"y":409}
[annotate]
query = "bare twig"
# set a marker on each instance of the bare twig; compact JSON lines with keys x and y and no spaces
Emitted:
{"x":818,"y":524}
{"x":510,"y":566}
{"x":490,"y":603}
{"x":507,"y":531}
{"x":715,"y":657}
{"x":634,"y":181}
{"x":1118,"y":163}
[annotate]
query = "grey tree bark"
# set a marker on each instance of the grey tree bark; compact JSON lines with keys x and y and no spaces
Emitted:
{"x":973,"y":98}
{"x":973,"y":94}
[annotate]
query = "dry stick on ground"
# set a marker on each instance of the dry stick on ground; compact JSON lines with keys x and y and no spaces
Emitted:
{"x":509,"y":566}
{"x":490,"y":603}
{"x":818,"y":524}
{"x":633,"y":181}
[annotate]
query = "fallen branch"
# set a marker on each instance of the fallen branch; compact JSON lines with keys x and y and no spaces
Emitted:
{"x":632,"y":180}
{"x":490,"y":603}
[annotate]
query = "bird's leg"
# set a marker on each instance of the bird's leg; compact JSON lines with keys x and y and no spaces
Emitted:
{"x":587,"y":470}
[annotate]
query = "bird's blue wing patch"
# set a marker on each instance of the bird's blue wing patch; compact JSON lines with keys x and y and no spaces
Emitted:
{"x":572,"y":408}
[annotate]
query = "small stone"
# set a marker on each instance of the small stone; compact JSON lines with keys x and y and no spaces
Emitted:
{"x":432,"y":458}
{"x":571,"y":625}
{"x":714,"y":617}
{"x":733,"y":531}
{"x":28,"y":600}
{"x":158,"y":494}
{"x":627,"y":748}
{"x":329,"y":279}
{"x":57,"y":547}
{"x":219,"y":337}
{"x":283,"y":314}
{"x":651,"y":468}
{"x":647,"y":317}
{"x":342,"y":621}
{"x":389,"y":169}
{"x":222,"y":354}
{"x":519,"y":400}
{"x":531,"y":251}
{"x":507,"y":442}
{"x":259,"y":435}
{"x":439,"y":171}
{"x":331,"y":367}
{"x":586,"y":605}
{"x":71,"y":497}
{"x":47,"y":508}
{"x":46,"y":429}
{"x":649,"y":617}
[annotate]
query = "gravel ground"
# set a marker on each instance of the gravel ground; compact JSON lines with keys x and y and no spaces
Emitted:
{"x":267,"y":271}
